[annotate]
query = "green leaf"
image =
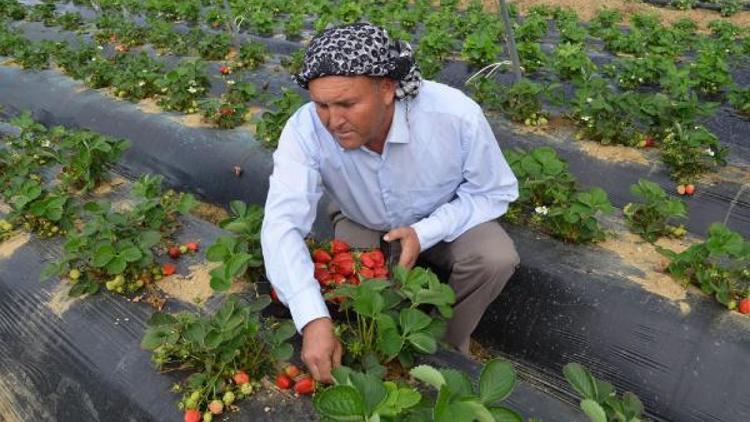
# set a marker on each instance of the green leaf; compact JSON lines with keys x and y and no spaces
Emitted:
{"x":428,"y":375}
{"x":156,"y":336}
{"x":581,"y":380}
{"x":219,"y":281}
{"x":340,"y":402}
{"x":149,"y":239}
{"x":397,"y":400}
{"x":423,"y":342}
{"x":103,"y":255}
{"x":195,"y":333}
{"x":131,"y":254}
{"x":504,"y":414}
{"x":633,"y":405}
{"x":413,"y":320}
{"x":284,"y":331}
{"x":161,"y":318}
{"x":593,"y":410}
{"x":283,"y":351}
{"x":371,"y":389}
{"x":458,"y":383}
{"x":116,"y":266}
{"x":496,"y":381}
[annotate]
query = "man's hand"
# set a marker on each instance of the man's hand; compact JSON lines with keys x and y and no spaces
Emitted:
{"x":410,"y":246}
{"x":321,"y":350}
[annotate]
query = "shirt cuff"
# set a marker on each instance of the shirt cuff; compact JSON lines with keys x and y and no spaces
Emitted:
{"x":429,"y":232}
{"x":306,"y":306}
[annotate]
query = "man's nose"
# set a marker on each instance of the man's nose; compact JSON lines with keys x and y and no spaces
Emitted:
{"x":336,"y":118}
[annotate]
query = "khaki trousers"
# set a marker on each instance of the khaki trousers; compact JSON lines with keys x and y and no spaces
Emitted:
{"x":477,"y":264}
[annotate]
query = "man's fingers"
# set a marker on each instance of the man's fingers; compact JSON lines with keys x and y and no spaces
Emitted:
{"x":337,"y":352}
{"x":324,"y":368}
{"x":394,"y":234}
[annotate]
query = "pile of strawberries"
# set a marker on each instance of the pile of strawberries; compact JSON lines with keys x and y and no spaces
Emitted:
{"x":336,"y":264}
{"x":175,"y":252}
{"x":291,"y":377}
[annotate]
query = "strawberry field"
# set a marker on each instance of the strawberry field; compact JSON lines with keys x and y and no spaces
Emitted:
{"x":135,"y":149}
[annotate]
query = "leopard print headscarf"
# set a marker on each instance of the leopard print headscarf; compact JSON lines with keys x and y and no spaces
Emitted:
{"x":361,"y":49}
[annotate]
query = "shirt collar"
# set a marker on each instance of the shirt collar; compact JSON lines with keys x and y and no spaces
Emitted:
{"x":399,"y":131}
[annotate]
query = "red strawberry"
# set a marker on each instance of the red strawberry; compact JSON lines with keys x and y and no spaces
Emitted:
{"x":745,"y":306}
{"x":367,"y":260}
{"x":681,"y":189}
{"x":345,"y":268}
{"x":283,"y":381}
{"x":338,"y":246}
{"x":168,"y":269}
{"x":241,"y":378}
{"x":192,"y":415}
{"x":226,"y":111}
{"x":291,"y":371}
{"x":689,"y":189}
{"x":339,"y":279}
{"x":174,"y":252}
{"x":274,"y":296}
{"x":216,"y":407}
{"x":342,"y":256}
{"x":381,"y":272}
{"x":305,"y":386}
{"x":648,"y":142}
{"x":378,"y":257}
{"x":324,"y":277}
{"x":321,"y":256}
{"x":353,"y":280}
{"x":192,"y":246}
{"x":225,"y":70}
{"x":367,"y":273}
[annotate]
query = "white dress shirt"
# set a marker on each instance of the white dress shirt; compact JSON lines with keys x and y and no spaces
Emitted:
{"x":441,"y":172}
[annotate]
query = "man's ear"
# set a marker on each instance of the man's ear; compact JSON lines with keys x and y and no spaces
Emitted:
{"x":388,"y":90}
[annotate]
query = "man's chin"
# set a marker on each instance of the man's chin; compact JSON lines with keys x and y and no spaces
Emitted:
{"x":348,"y":142}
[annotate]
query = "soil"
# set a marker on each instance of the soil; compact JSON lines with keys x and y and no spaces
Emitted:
{"x":587,"y":9}
{"x":210,"y":212}
{"x":106,"y":187}
{"x":60,"y":301}
{"x":11,"y":245}
{"x":612,"y":153}
{"x":642,"y":255}
{"x":148,"y":105}
{"x":196,"y":286}
{"x":192,"y":120}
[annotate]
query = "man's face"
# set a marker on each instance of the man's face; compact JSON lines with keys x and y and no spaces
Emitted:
{"x":353,"y":108}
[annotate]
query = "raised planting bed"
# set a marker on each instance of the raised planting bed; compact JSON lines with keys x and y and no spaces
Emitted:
{"x":80,"y":359}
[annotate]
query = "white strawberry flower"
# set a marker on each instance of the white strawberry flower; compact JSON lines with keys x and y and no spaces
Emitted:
{"x":141,"y":83}
{"x":541,"y":210}
{"x":230,"y":82}
{"x":710,"y":152}
{"x":192,"y":90}
{"x":589,"y":99}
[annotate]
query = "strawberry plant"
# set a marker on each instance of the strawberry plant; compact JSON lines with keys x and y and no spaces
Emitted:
{"x":293,"y":63}
{"x":639,"y":71}
{"x":720,"y":266}
{"x":603,"y":115}
{"x":293,"y":25}
{"x":459,"y":398}
{"x":710,"y":71}
{"x":481,"y":48}
{"x":163,"y":36}
{"x":252,"y":54}
{"x":577,"y":222}
{"x":70,"y":21}
{"x":87,"y":157}
{"x":181,"y":87}
{"x":262,"y":21}
{"x":34,"y":55}
{"x":240,"y":252}
{"x":729,"y":7}
{"x":223,"y":112}
{"x":689,"y":151}
{"x":268,"y":129}
{"x":241,"y":92}
{"x":523,"y":102}
{"x":532,"y":56}
{"x":571,"y":62}
{"x":44,"y":12}
{"x":114,"y":247}
{"x":486,"y":91}
{"x":214,"y":46}
{"x":235,"y":340}
{"x":12,"y":9}
{"x":136,"y":76}
{"x":650,"y":218}
{"x":98,"y":72}
{"x":739,"y":98}
{"x":599,"y":399}
{"x":604,"y":20}
{"x":683,"y":4}
{"x":533,"y":28}
{"x":572,"y":32}
{"x":384,"y":320}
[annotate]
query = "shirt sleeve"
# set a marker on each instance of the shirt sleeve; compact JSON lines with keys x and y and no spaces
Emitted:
{"x":489,"y":186}
{"x":294,"y":191}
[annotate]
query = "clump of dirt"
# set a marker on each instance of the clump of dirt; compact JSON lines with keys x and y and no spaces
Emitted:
{"x":210,"y":212}
{"x":149,"y":105}
{"x":478,"y":352}
{"x":12,"y":244}
{"x":642,"y":255}
{"x":108,"y":186}
{"x":196,"y":286}
{"x":5,"y":208}
{"x":192,"y":120}
{"x":613,"y":153}
{"x":123,"y":205}
{"x":60,"y":301}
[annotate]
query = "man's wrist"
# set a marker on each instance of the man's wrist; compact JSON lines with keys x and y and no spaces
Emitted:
{"x":315,"y":322}
{"x":306,"y":306}
{"x":429,"y":232}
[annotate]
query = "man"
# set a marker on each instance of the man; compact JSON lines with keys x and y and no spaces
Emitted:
{"x":414,"y":162}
